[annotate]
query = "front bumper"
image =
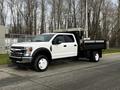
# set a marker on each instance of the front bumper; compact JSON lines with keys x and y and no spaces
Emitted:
{"x":21,"y":59}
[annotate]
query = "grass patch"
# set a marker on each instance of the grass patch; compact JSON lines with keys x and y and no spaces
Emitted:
{"x":111,"y":51}
{"x":4,"y":59}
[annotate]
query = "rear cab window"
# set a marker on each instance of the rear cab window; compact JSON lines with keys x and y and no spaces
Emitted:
{"x":69,"y":38}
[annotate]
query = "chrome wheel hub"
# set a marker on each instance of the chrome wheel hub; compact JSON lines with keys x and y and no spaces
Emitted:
{"x":42,"y":63}
{"x":97,"y":57}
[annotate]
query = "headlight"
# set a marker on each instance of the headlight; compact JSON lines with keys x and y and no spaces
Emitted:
{"x":28,"y":51}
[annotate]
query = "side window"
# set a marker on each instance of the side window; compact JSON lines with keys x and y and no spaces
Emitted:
{"x":69,"y":38}
{"x":59,"y":38}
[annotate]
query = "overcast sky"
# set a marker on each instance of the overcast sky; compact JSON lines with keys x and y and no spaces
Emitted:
{"x":115,"y":1}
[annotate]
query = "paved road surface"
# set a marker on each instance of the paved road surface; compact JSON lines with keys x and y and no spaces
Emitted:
{"x":65,"y":75}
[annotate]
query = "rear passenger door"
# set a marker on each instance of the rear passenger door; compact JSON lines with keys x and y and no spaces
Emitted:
{"x":70,"y":45}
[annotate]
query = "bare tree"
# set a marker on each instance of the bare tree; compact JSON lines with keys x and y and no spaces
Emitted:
{"x":29,"y":16}
{"x":117,"y":35}
{"x":42,"y":16}
{"x":3,"y":13}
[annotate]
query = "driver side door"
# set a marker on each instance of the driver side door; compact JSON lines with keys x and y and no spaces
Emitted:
{"x":58,"y":47}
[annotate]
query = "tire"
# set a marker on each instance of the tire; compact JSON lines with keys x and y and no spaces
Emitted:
{"x":95,"y":57}
{"x":41,"y":63}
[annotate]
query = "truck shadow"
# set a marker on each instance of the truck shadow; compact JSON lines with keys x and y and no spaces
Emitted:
{"x":53,"y":65}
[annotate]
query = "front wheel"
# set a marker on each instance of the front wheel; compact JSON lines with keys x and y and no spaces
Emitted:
{"x":95,"y":57}
{"x":41,"y":63}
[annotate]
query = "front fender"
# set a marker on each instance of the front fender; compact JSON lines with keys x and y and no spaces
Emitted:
{"x":42,"y":51}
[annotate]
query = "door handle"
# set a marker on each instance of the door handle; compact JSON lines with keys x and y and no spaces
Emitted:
{"x":65,"y":45}
{"x":75,"y":45}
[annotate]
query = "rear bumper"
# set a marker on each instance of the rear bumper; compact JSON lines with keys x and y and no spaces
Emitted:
{"x":21,"y":59}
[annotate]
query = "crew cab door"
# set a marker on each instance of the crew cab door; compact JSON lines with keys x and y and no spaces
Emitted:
{"x":64,"y":46}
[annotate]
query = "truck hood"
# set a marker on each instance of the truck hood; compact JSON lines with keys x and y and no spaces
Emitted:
{"x":30,"y":44}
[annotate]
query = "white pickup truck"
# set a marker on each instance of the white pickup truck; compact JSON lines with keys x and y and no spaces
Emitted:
{"x":47,"y":47}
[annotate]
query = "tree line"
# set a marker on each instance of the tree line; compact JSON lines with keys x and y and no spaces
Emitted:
{"x":38,"y":16}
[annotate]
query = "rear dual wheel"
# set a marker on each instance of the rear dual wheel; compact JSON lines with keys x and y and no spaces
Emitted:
{"x":95,"y":57}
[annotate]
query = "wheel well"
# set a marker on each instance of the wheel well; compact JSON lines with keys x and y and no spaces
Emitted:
{"x":44,"y":52}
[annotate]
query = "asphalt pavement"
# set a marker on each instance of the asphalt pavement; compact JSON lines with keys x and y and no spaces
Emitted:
{"x":65,"y":75}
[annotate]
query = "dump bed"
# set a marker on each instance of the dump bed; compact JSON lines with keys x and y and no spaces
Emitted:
{"x":93,"y":44}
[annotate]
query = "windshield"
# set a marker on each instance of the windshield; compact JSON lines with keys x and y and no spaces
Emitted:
{"x":43,"y":38}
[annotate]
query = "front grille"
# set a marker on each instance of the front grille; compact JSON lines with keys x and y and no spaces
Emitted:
{"x":17,"y":51}
{"x":16,"y":54}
